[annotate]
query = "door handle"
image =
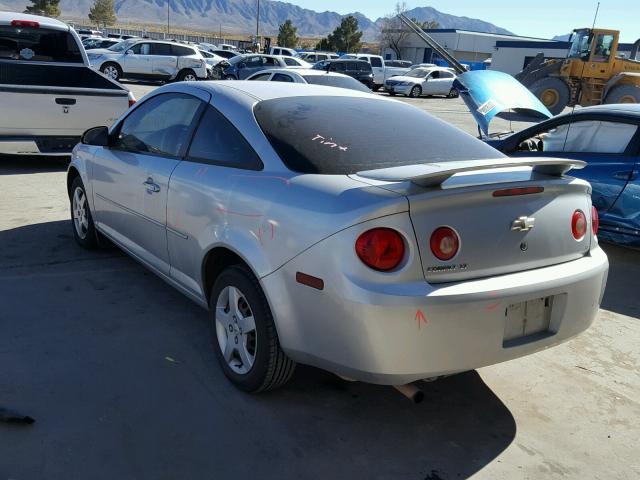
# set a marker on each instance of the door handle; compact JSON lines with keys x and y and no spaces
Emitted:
{"x":151,"y":186}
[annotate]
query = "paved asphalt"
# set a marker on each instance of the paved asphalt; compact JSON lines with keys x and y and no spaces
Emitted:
{"x":118,"y":371}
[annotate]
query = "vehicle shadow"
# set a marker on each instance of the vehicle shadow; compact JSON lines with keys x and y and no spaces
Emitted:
{"x":14,"y":165}
{"x":118,"y":370}
{"x":621,"y":294}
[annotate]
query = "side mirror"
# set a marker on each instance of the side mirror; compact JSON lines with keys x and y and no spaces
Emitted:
{"x":96,"y":136}
{"x":128,"y":52}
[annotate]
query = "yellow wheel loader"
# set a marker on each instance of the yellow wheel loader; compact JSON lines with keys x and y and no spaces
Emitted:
{"x":591,"y":74}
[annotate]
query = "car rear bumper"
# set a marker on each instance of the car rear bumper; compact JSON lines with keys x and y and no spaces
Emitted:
{"x":41,"y":145}
{"x":397,"y":334}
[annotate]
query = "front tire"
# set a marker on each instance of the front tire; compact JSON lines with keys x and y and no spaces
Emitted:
{"x":623,"y":94}
{"x":415,"y":92}
{"x":112,"y":71}
{"x":552,"y":92}
{"x":84,"y":230}
{"x":244,"y":335}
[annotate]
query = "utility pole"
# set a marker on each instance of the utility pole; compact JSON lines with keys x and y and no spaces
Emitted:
{"x":258,"y":23}
{"x":167,"y":17}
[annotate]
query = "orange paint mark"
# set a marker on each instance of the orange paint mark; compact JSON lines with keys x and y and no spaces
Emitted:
{"x":420,"y":318}
{"x":266,"y":177}
{"x":492,"y":306}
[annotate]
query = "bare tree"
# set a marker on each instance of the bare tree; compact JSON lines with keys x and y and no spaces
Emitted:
{"x":393,"y":32}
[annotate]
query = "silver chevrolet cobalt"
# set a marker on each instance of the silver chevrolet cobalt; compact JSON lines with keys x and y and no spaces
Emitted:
{"x":342,"y":230}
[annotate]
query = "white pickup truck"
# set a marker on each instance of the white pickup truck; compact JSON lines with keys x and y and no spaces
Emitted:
{"x":48,"y":93}
{"x":381,"y":72}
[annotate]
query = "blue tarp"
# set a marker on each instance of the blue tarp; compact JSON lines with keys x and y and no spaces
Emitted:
{"x":488,"y":93}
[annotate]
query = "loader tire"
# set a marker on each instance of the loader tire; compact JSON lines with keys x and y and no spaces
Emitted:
{"x":552,"y":92}
{"x":623,"y":94}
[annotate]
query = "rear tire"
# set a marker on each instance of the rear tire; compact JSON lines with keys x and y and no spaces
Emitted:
{"x":552,"y":92}
{"x":453,"y":93}
{"x":375,"y":87}
{"x":392,"y":94}
{"x":229,"y":77}
{"x":84,"y":231}
{"x":112,"y":71}
{"x":623,"y":94}
{"x":187,"y":75}
{"x":415,"y":92}
{"x":244,"y":335}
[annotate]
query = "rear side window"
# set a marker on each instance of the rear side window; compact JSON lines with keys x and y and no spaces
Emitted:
{"x":161,"y":49}
{"x":291,"y":62}
{"x":339,"y":67}
{"x":218,"y":142}
{"x":38,"y":45}
{"x":262,"y":76}
{"x":364,"y":67}
{"x":336,"y":135}
{"x":181,"y":51}
{"x":281,"y":77}
{"x":376,"y":62}
{"x":160,"y":126}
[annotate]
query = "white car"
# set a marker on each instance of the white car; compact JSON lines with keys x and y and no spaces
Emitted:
{"x":423,"y":81}
{"x":309,"y":76}
{"x":314,"y":57}
{"x":287,"y":52}
{"x":150,"y":60}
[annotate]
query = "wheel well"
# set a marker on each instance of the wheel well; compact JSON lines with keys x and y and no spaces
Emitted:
{"x":71,"y":176}
{"x":215,"y":262}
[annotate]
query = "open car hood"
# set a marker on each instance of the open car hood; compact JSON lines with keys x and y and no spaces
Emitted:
{"x":487,"y":93}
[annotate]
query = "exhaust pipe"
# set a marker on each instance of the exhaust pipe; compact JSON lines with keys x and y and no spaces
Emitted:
{"x":410,"y":391}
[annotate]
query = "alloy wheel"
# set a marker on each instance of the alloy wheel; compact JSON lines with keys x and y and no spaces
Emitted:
{"x":111,"y":72}
{"x":236,"y":330}
{"x":80,"y":213}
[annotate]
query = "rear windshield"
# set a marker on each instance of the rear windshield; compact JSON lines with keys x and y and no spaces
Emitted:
{"x":344,"y":135}
{"x":38,"y":45}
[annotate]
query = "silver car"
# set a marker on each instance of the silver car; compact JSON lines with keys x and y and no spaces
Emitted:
{"x":342,"y":230}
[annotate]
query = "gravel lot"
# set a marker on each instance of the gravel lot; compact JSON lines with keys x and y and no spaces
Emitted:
{"x":116,"y":368}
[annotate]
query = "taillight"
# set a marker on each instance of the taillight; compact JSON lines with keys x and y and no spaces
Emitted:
{"x":578,"y":224}
{"x":25,"y":24}
{"x":132,"y":102}
{"x":444,"y":243}
{"x":595,"y":220}
{"x":380,"y":248}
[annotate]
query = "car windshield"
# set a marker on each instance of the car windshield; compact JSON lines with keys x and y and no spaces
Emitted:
{"x":121,"y":46}
{"x":341,"y":135}
{"x":418,"y":73}
{"x":336,"y":81}
{"x":38,"y":45}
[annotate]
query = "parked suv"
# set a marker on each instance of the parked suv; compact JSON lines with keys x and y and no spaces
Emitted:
{"x":313,"y":57}
{"x":149,"y":59}
{"x":243,"y":66}
{"x":358,"y":69}
{"x":377,"y":66}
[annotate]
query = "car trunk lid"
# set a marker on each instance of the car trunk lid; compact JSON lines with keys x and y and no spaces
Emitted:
{"x":507,"y":219}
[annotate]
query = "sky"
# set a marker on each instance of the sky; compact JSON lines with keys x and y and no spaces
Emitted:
{"x":535,"y":18}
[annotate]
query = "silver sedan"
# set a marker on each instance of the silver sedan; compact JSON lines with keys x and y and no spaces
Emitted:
{"x":342,"y":230}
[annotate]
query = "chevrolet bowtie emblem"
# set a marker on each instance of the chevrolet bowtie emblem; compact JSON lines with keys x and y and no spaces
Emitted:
{"x":523,"y":224}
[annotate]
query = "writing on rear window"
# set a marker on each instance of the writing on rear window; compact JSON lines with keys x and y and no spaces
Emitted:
{"x":328,"y":142}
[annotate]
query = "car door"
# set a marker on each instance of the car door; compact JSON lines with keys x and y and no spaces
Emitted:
{"x":252,"y":65}
{"x":131,"y":177}
{"x":608,"y":145}
{"x":201,"y":195}
{"x":137,"y":59}
{"x":445,"y":83}
{"x":432,"y":85}
{"x":378,"y":69}
{"x":164,"y":59}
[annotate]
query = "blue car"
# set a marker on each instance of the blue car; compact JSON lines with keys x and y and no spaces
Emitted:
{"x":607,"y":137}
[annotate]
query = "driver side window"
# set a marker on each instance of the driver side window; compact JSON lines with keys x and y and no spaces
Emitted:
{"x":160,"y":126}
{"x":587,"y":136}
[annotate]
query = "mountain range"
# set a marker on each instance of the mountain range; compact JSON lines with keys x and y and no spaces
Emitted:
{"x":239,"y":16}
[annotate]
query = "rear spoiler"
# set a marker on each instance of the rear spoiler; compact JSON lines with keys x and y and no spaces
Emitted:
{"x":434,"y":174}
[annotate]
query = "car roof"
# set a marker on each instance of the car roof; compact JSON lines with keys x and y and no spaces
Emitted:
{"x":7,"y":17}
{"x":272,"y":90}
{"x":627,"y":109}
{"x":345,"y":60}
{"x":301,"y":71}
